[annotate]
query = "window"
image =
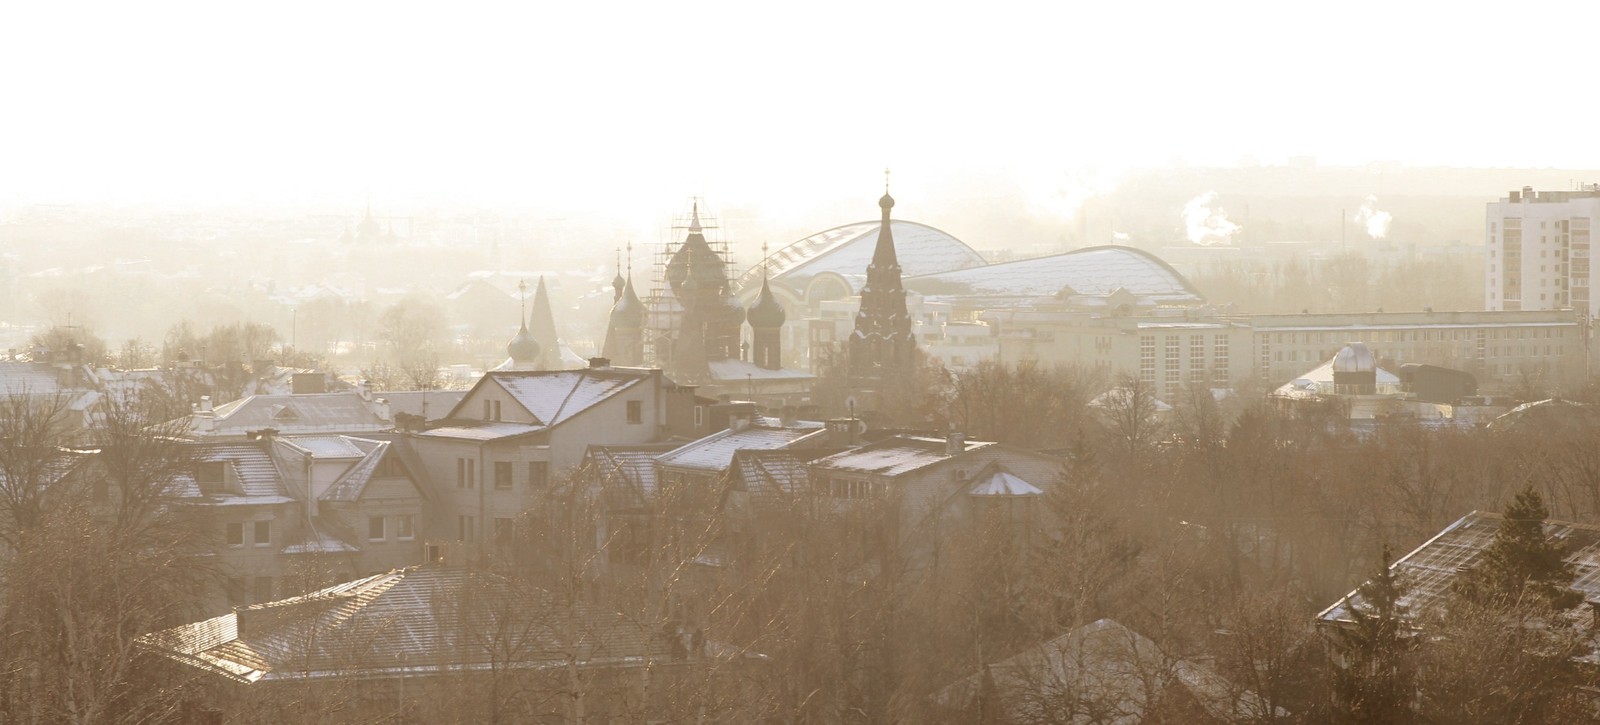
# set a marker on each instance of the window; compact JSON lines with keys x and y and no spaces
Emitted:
{"x":263,"y":533}
{"x":502,"y":475}
{"x":699,"y":415}
{"x":538,"y":473}
{"x":209,"y":475}
{"x":502,"y":531}
{"x":236,"y":534}
{"x":405,"y":527}
{"x":375,"y":529}
{"x":635,"y":411}
{"x":263,"y":588}
{"x":237,"y":593}
{"x":466,"y":473}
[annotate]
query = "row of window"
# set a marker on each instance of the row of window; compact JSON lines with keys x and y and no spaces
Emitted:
{"x":403,"y":526}
{"x":261,"y":533}
{"x":538,"y":473}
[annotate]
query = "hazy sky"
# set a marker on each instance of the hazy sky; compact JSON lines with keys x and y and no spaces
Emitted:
{"x":594,"y":106}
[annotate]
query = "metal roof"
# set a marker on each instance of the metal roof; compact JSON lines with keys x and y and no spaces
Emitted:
{"x":847,"y":250}
{"x":893,"y":456}
{"x":257,"y":474}
{"x":715,"y":452}
{"x":1004,"y":484}
{"x":1092,"y":272}
{"x":343,"y":412}
{"x":554,"y":396}
{"x":409,"y":622}
{"x":1431,"y":569}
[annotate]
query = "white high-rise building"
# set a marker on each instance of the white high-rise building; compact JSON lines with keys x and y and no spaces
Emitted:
{"x":1539,"y":250}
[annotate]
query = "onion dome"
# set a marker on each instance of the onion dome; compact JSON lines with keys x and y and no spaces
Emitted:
{"x":766,"y":312}
{"x":523,"y":349}
{"x":628,"y":312}
{"x":733,"y":310}
{"x":886,"y":202}
{"x":617,"y":283}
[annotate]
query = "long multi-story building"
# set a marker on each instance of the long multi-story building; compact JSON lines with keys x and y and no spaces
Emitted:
{"x":1539,"y":243}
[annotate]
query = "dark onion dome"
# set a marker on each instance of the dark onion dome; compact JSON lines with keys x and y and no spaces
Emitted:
{"x":766,"y":312}
{"x":617,"y":283}
{"x":628,"y":312}
{"x":886,"y":202}
{"x":523,"y":349}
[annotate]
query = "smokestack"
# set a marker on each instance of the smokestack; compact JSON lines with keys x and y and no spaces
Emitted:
{"x":955,"y":443}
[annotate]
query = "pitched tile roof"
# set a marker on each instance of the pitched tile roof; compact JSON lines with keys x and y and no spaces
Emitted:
{"x":555,"y":396}
{"x":343,"y":412}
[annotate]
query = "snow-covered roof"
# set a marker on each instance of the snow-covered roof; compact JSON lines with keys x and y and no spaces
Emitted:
{"x":772,"y":473}
{"x":479,"y":430}
{"x":258,"y":477}
{"x":1090,"y":272}
{"x":326,"y":446}
{"x":893,"y":456}
{"x":847,"y":250}
{"x":1431,"y":569}
{"x":393,"y":625}
{"x":1319,"y":381}
{"x":554,"y":396}
{"x":435,"y":403}
{"x":627,"y":473}
{"x":1004,"y":484}
{"x":317,"y":541}
{"x":714,"y":452}
{"x":342,"y":412}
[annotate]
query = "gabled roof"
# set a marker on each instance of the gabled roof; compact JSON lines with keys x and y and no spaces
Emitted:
{"x":22,"y":378}
{"x":736,"y":372}
{"x":1431,"y":569}
{"x":894,"y":456}
{"x":354,"y":481}
{"x":437,"y":403}
{"x":1003,"y":484}
{"x":554,"y":396}
{"x":406,"y":623}
{"x":715,"y":452}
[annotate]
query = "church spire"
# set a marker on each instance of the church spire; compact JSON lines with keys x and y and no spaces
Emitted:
{"x":543,"y":328}
{"x":881,"y":349}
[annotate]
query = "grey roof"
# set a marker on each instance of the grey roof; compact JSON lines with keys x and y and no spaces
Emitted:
{"x":342,"y":412}
{"x":1102,"y":672}
{"x":353,"y":481}
{"x":479,"y":430}
{"x":23,"y":378}
{"x":893,"y":456}
{"x":438,"y":402}
{"x":773,"y":474}
{"x":714,"y":452}
{"x":734,"y":372}
{"x":258,"y":476}
{"x":847,"y":250}
{"x":1090,"y":272}
{"x":1431,"y":569}
{"x":628,"y":473}
{"x":410,"y":622}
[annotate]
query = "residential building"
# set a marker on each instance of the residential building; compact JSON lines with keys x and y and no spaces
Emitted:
{"x":516,"y":430}
{"x":1539,"y":250}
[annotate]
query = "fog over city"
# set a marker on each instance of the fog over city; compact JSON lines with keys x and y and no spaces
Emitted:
{"x":812,"y":363}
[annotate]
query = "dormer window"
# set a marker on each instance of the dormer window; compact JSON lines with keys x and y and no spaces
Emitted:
{"x":210,"y":476}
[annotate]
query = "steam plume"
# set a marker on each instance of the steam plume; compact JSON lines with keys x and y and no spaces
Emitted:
{"x":1374,"y":219}
{"x":1207,"y":225}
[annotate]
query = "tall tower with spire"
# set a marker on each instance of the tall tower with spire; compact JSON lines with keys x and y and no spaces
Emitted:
{"x":766,"y":318}
{"x":543,"y":328}
{"x":881,"y":349}
{"x":625,"y":329}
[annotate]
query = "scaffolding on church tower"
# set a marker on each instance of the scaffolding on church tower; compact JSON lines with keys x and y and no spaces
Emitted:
{"x":665,"y":309}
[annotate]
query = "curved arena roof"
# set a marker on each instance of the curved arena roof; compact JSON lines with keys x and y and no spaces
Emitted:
{"x":847,"y":250}
{"x":1092,"y":272}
